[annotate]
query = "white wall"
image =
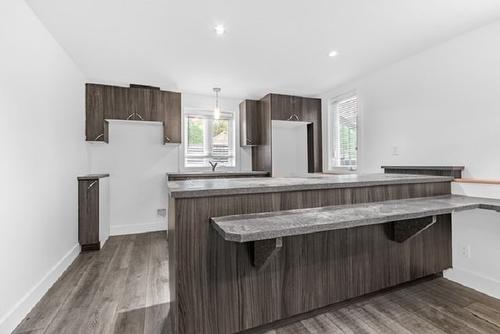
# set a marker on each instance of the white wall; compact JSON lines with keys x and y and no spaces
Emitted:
{"x":441,"y":107}
{"x":42,"y":151}
{"x":138,"y":161}
{"x":289,"y":148}
{"x":476,"y":242}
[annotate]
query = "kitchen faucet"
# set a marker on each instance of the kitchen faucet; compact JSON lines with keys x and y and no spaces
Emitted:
{"x":213,"y":164}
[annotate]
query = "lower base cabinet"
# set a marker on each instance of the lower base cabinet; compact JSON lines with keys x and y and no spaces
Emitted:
{"x":93,"y":211}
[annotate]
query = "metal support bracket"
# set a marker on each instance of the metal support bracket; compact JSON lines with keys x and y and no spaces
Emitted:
{"x":263,"y":251}
{"x":407,"y":229}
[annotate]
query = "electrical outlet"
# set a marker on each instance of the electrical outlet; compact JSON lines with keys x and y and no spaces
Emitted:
{"x":466,"y":251}
{"x":161,"y":212}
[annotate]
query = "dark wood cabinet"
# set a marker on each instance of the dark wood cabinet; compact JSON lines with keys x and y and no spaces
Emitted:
{"x":249,"y":123}
{"x":170,"y":108}
{"x":137,"y":103}
{"x":276,"y":107}
{"x":262,"y":153}
{"x":119,"y":108}
{"x":93,"y":211}
{"x":286,"y":108}
{"x":311,"y":113}
{"x":98,"y":99}
{"x":144,"y":104}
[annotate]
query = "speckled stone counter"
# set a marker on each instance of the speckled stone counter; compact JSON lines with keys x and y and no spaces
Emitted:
{"x":217,"y":174}
{"x":217,"y":187}
{"x":262,"y":226}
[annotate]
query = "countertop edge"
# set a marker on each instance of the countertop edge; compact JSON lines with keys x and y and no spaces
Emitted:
{"x":425,"y":167}
{"x":317,"y":186}
{"x":220,"y":173}
{"x":457,"y":203}
{"x":92,"y":177}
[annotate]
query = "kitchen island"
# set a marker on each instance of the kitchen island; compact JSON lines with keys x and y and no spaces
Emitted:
{"x":222,"y":286}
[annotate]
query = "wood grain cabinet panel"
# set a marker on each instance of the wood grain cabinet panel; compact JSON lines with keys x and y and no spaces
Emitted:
{"x":262,"y":153}
{"x":286,"y":108}
{"x":120,"y":109}
{"x":93,"y":212}
{"x":276,"y":107}
{"x":137,"y":103}
{"x":170,"y":107}
{"x":98,"y":99}
{"x":144,"y":104}
{"x":249,"y":123}
{"x":88,"y":212}
{"x":311,"y":112}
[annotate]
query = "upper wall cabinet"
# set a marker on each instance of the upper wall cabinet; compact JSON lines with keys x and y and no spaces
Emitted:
{"x":144,"y":103}
{"x":286,"y":108}
{"x":170,"y":108}
{"x":249,"y":123}
{"x":311,"y":113}
{"x":138,"y":103}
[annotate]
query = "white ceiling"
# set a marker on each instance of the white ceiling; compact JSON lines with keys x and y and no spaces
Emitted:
{"x":277,"y":46}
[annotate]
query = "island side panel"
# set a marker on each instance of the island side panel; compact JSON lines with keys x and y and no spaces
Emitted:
{"x":219,"y":291}
{"x":172,"y":264}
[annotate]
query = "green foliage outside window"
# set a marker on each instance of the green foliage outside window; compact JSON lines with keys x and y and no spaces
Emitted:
{"x":195,"y":131}
{"x":220,"y":126}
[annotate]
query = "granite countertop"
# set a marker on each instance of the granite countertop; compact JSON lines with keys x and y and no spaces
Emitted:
{"x":425,"y":167}
{"x":263,"y":226}
{"x":217,"y":173}
{"x":228,"y":186}
{"x":92,"y":176}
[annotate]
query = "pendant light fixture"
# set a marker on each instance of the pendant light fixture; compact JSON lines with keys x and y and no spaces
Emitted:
{"x":217,"y":105}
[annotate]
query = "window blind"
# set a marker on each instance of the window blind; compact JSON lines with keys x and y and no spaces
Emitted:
{"x":346,"y":133}
{"x":209,"y":140}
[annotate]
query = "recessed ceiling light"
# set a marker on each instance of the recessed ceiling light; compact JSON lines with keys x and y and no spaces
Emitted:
{"x":333,"y":53}
{"x":220,"y":29}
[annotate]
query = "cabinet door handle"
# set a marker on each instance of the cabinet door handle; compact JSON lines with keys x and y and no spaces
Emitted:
{"x":130,"y":116}
{"x":142,"y":119}
{"x":167,"y":139}
{"x":91,"y":185}
{"x":101,"y":135}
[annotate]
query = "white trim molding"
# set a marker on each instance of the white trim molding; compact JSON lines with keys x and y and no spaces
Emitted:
{"x":481,"y":283}
{"x":11,"y":319}
{"x":138,"y":228}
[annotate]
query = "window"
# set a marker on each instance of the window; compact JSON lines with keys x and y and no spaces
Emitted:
{"x":208,"y":139}
{"x":343,"y":141}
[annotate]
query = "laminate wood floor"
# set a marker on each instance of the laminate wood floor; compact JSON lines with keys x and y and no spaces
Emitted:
{"x":124,"y":289}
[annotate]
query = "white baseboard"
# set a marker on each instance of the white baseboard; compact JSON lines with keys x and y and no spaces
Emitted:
{"x":484,"y":284}
{"x":11,"y":319}
{"x":137,"y":228}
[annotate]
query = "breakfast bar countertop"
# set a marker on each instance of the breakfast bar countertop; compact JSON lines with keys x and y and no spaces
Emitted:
{"x":268,"y":225}
{"x":228,"y":186}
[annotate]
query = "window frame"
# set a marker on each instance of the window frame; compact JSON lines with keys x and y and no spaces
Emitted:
{"x":208,"y":114}
{"x":332,"y":132}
